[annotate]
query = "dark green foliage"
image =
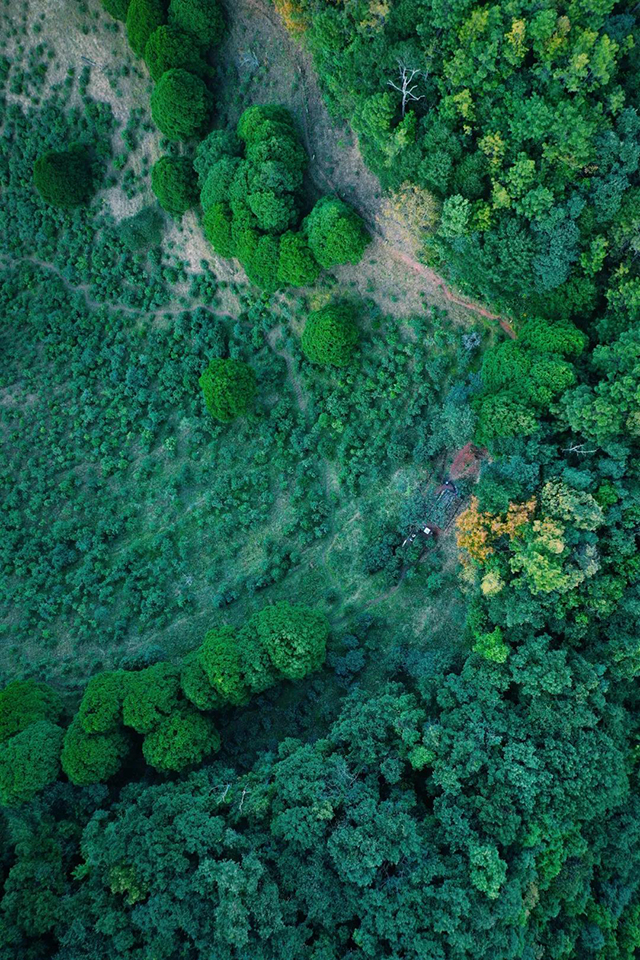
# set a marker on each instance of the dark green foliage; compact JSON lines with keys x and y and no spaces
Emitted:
{"x":217,"y":223}
{"x":63,"y":179}
{"x":229,"y":388}
{"x":250,"y":201}
{"x":24,"y":702}
{"x":297,"y":265}
{"x":336,"y":234}
{"x":117,"y":8}
{"x":173,"y":181}
{"x":184,"y":738}
{"x":92,"y":757}
{"x":258,"y":672}
{"x":543,"y":336}
{"x":294,"y":638}
{"x":150,"y":695}
{"x":143,"y":18}
{"x":201,"y":18}
{"x":215,"y":146}
{"x":221,"y":661}
{"x":180,"y":105}
{"x":29,"y":761}
{"x":143,"y":229}
{"x":168,"y":47}
{"x":261,"y":258}
{"x":100,"y":709}
{"x":195,"y":683}
{"x":217,"y":184}
{"x":261,"y":119}
{"x":330,"y":335}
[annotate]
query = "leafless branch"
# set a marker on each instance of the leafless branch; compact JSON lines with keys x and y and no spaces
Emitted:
{"x":579,"y":448}
{"x":408,"y":81}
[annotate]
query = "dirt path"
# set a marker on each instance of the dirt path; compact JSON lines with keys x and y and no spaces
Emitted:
{"x":336,"y":163}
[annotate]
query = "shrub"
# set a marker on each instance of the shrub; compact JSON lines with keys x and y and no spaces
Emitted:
{"x":143,"y":229}
{"x":330,"y":335}
{"x":180,"y":104}
{"x":29,"y":761}
{"x":217,"y":223}
{"x":336,"y":233}
{"x":202,"y":18}
{"x":24,"y":702}
{"x":117,"y":8}
{"x":229,"y":388}
{"x":92,"y":757}
{"x":184,"y":738}
{"x":220,"y":659}
{"x":150,"y":696}
{"x":295,"y":638}
{"x":100,"y":709}
{"x":64,"y":178}
{"x":174,"y":183}
{"x":169,"y":48}
{"x":297,"y":265}
{"x":215,"y":146}
{"x":143,"y":17}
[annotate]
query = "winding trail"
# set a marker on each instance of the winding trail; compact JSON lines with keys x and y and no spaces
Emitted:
{"x":316,"y":125}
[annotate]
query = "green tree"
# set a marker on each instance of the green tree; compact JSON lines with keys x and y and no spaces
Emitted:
{"x":217,"y":224}
{"x":184,"y":738}
{"x":229,"y":388}
{"x":180,"y":104}
{"x":336,"y":234}
{"x":29,"y":761}
{"x":260,"y":259}
{"x":24,"y":702}
{"x":92,"y":757}
{"x":170,"y":48}
{"x":215,"y":146}
{"x":150,"y":695}
{"x":264,"y":120}
{"x":294,"y":637}
{"x":143,"y":17}
{"x":173,"y":181}
{"x":201,"y":18}
{"x":63,"y":179}
{"x":297,"y":265}
{"x":100,"y":709}
{"x":330,"y":335}
{"x":220,"y":657}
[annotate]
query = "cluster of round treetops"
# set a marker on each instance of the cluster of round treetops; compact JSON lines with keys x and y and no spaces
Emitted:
{"x":249,"y":184}
{"x":251,"y":193}
{"x":166,"y":706}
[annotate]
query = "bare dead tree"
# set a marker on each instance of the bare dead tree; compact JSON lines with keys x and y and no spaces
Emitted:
{"x":249,"y":60}
{"x":579,"y":448}
{"x":408,"y":81}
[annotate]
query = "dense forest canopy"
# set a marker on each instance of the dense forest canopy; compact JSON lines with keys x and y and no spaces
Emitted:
{"x":320,"y":612}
